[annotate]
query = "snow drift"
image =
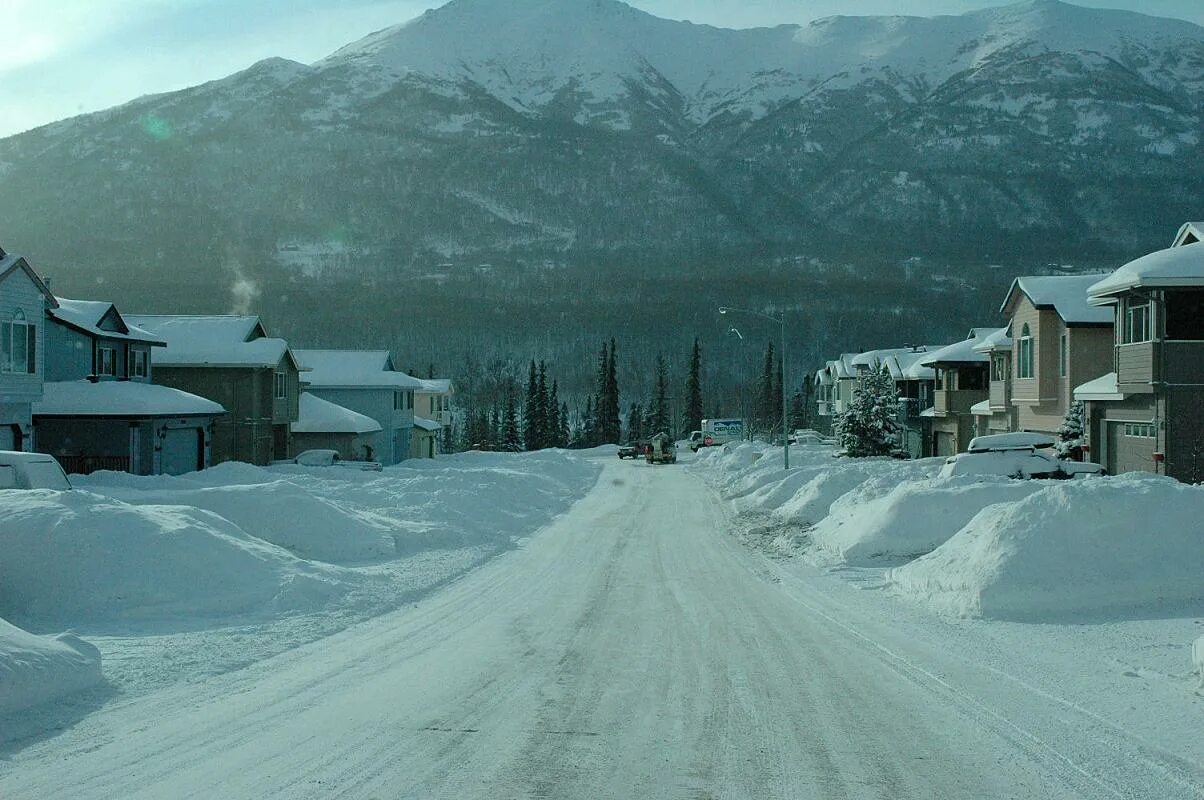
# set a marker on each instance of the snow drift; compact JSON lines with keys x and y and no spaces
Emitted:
{"x":37,"y":669}
{"x":1123,"y":547}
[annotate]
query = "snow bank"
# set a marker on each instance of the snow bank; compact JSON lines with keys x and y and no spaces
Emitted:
{"x":1122,"y":547}
{"x":76,"y":556}
{"x":868,"y":477}
{"x":911,"y":519}
{"x":37,"y":669}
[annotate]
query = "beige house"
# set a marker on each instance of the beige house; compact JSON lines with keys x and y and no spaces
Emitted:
{"x":231,"y":360}
{"x":433,"y":417}
{"x":424,"y":443}
{"x":996,"y":414}
{"x":961,"y":382}
{"x":1146,"y":413}
{"x":1059,"y":341}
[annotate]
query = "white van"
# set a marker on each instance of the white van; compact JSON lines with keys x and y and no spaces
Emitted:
{"x":31,"y":471}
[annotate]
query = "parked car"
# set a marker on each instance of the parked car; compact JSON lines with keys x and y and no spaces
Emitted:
{"x":1017,"y":462}
{"x":331,"y":458}
{"x":632,"y":449}
{"x":31,"y":471}
{"x":1020,"y":440}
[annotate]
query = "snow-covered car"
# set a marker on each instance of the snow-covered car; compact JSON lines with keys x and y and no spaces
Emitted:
{"x":1020,"y":440}
{"x":331,"y":458}
{"x":1017,"y":462}
{"x":31,"y":471}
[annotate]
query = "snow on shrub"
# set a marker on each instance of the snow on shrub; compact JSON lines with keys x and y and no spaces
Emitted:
{"x":77,"y":556}
{"x":38,"y":669}
{"x":911,"y":519}
{"x":1086,"y":549}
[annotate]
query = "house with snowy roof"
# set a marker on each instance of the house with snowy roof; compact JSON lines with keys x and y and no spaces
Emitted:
{"x":916,"y":384}
{"x":433,"y":416}
{"x":1059,"y":341}
{"x":24,"y":298}
{"x":960,"y":383}
{"x":367,"y":382}
{"x":996,"y":414}
{"x":100,"y":409}
{"x":231,"y":360}
{"x":323,"y":425}
{"x":1146,"y":413}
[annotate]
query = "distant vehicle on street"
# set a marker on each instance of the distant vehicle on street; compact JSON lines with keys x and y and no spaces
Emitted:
{"x":716,"y":432}
{"x":31,"y":471}
{"x":661,"y":450}
{"x":632,"y":449}
{"x":331,"y":458}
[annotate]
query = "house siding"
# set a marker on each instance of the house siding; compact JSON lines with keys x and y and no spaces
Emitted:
{"x":19,"y":391}
{"x":246,"y":432}
{"x":1135,"y":367}
{"x":393,"y":442}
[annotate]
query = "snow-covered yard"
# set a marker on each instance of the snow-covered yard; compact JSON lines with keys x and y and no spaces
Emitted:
{"x":171,"y":578}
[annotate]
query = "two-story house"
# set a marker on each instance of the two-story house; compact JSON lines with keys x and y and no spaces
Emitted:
{"x":368,"y":382}
{"x":824,"y":389}
{"x":231,"y":360}
{"x":432,"y":416}
{"x":1146,"y":414}
{"x":1059,"y":341}
{"x":24,"y":299}
{"x":915,"y":383}
{"x":100,"y":409}
{"x":996,"y":414}
{"x":961,"y":381}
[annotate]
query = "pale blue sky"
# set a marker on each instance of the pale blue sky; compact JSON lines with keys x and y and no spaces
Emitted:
{"x":64,"y":57}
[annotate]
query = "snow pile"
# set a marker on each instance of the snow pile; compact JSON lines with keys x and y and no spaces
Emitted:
{"x":1197,"y":658}
{"x":37,"y":669}
{"x":77,"y":556}
{"x":909,"y":520}
{"x":1128,"y":546}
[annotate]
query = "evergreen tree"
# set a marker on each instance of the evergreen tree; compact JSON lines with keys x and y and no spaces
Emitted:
{"x":778,"y":398}
{"x":494,"y":435}
{"x":661,"y":421}
{"x":614,"y":423}
{"x":511,"y":439}
{"x":693,"y":419}
{"x":1072,"y":431}
{"x":765,"y":404}
{"x":588,"y":432}
{"x":531,"y":422}
{"x":554,"y":426}
{"x":798,"y":412}
{"x":870,"y":424}
{"x":543,"y":437}
{"x":563,"y":435}
{"x":635,"y":423}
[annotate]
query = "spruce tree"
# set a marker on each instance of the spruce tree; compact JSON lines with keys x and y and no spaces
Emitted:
{"x":778,"y":399}
{"x":511,"y":438}
{"x":531,"y":424}
{"x":661,"y":417}
{"x":563,"y":435}
{"x":554,"y":439}
{"x":870,"y":424}
{"x":1072,"y":431}
{"x":543,"y":437}
{"x":635,"y":423}
{"x":613,"y":421}
{"x":765,"y":404}
{"x":693,"y":418}
{"x":588,"y":432}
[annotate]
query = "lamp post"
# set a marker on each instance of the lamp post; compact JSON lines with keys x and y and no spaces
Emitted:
{"x":744,"y":421}
{"x":785,"y":408}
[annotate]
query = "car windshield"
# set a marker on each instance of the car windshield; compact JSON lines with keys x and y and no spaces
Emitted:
{"x":576,"y":399}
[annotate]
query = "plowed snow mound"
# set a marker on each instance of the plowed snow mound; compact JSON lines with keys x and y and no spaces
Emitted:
{"x":37,"y":669}
{"x":76,"y":556}
{"x":1108,"y":548}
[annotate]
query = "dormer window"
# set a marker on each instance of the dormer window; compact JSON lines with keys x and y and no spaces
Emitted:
{"x":1024,"y":353}
{"x":18,"y":345}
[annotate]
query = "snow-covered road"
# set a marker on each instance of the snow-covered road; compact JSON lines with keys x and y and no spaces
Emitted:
{"x":633,"y":649}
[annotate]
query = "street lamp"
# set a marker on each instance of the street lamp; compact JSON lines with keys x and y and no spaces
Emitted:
{"x":782,"y":322}
{"x":744,"y":420}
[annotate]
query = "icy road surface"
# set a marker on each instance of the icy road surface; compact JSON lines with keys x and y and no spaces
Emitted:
{"x":633,"y":649}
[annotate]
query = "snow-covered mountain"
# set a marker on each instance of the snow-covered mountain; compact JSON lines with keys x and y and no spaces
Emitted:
{"x":573,"y":130}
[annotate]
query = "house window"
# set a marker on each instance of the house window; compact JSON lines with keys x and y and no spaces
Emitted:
{"x":398,"y":401}
{"x":139,"y":366}
{"x":939,"y":381}
{"x":18,"y":345}
{"x":972,"y":379}
{"x":1139,"y":430}
{"x":1137,"y":322}
{"x":1185,"y":316}
{"x":281,"y":386}
{"x":999,"y":368}
{"x":1024,"y":353}
{"x":106,"y":361}
{"x":1063,"y":355}
{"x":409,"y":401}
{"x":434,"y":404}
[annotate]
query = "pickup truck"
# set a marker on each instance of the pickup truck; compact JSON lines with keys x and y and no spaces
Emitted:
{"x":632,"y":449}
{"x":31,"y":471}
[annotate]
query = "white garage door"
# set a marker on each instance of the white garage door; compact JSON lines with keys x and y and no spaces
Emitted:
{"x":181,"y":451}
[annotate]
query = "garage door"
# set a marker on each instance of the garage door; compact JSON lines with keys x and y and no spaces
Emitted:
{"x":181,"y":451}
{"x":1129,"y":449}
{"x":946,"y":444}
{"x":7,"y":440}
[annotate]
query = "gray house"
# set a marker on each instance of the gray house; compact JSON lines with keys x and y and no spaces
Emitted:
{"x":231,"y":360}
{"x":366,"y":381}
{"x":323,"y":425}
{"x":24,"y":299}
{"x":1146,"y":413}
{"x":100,"y":409}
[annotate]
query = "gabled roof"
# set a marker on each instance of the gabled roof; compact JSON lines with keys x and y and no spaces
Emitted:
{"x":88,"y":316}
{"x":1190,"y":233}
{"x":823,"y":376}
{"x":873,"y":359}
{"x":905,"y":365}
{"x":322,"y":416}
{"x":354,"y":369}
{"x":436,"y":385}
{"x":999,"y":340}
{"x":218,"y":340}
{"x":962,"y":352}
{"x":120,"y":399}
{"x":842,"y":368}
{"x":1181,"y":266}
{"x":11,"y":262}
{"x":1064,"y":294}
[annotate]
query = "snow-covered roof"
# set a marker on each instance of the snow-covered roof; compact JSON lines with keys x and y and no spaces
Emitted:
{"x":359,"y":369}
{"x":1105,"y":387}
{"x":427,"y":424}
{"x":1013,"y":440}
{"x":999,"y":340}
{"x":87,"y":315}
{"x":928,"y":412}
{"x":823,"y":377}
{"x":1065,"y":294}
{"x":120,"y":399}
{"x":982,"y":409}
{"x":962,"y":352}
{"x":212,"y":341}
{"x":842,"y":368}
{"x":1174,"y":266}
{"x":905,"y":365}
{"x":322,"y":416}
{"x":435,"y":385}
{"x":873,"y":359}
{"x":1189,"y":233}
